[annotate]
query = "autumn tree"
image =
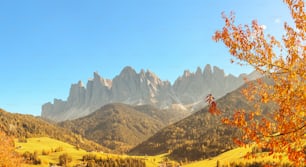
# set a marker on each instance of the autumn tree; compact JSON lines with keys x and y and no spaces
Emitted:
{"x":8,"y":156}
{"x":283,"y":65}
{"x":64,"y":159}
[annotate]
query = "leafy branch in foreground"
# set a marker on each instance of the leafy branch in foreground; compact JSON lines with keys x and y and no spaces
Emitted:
{"x":283,"y":63}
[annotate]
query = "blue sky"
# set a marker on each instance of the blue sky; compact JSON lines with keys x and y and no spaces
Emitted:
{"x":45,"y":46}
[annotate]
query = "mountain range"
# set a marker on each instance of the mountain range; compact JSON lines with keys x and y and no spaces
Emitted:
{"x":142,"y":129}
{"x":129,"y":87}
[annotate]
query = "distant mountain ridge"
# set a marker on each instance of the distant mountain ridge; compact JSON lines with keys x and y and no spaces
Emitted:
{"x":145,"y":87}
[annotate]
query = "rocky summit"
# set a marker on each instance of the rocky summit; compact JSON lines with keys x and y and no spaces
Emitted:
{"x":141,"y":88}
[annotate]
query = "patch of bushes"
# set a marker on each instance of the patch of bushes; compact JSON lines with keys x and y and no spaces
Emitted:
{"x":59,"y":149}
{"x":45,"y":152}
{"x":22,"y":140}
{"x":92,"y":160}
{"x":31,"y":158}
{"x":64,"y":159}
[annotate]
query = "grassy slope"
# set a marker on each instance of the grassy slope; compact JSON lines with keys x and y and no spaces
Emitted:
{"x":20,"y":126}
{"x":46,"y":143}
{"x":235,"y":155}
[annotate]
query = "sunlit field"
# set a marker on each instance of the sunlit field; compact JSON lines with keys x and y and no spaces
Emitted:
{"x":50,"y":145}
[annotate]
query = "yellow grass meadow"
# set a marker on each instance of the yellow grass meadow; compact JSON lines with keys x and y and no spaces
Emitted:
{"x":45,"y":143}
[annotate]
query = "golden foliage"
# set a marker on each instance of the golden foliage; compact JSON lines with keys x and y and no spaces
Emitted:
{"x":213,"y":105}
{"x":8,"y":156}
{"x":283,"y":63}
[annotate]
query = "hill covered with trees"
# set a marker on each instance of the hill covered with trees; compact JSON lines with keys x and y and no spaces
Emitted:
{"x":199,"y":136}
{"x":120,"y":126}
{"x":25,"y":126}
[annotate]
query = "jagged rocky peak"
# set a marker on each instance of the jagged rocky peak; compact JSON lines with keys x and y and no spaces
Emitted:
{"x":207,"y":71}
{"x":99,"y":81}
{"x":128,"y":71}
{"x":76,"y":88}
{"x":153,"y":77}
{"x":186,"y":74}
{"x":190,"y":75}
{"x":58,"y":101}
{"x":97,"y":76}
{"x":80,"y":84}
{"x":198,"y":72}
{"x":151,"y":74}
{"x":145,"y":87}
{"x":147,"y":73}
{"x":219,"y":72}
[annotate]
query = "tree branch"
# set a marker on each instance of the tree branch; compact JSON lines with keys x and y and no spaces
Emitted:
{"x":282,"y":134}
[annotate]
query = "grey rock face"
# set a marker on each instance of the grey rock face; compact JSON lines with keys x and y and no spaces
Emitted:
{"x":145,"y":87}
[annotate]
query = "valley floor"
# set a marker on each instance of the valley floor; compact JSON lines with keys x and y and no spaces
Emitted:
{"x":48,"y":151}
